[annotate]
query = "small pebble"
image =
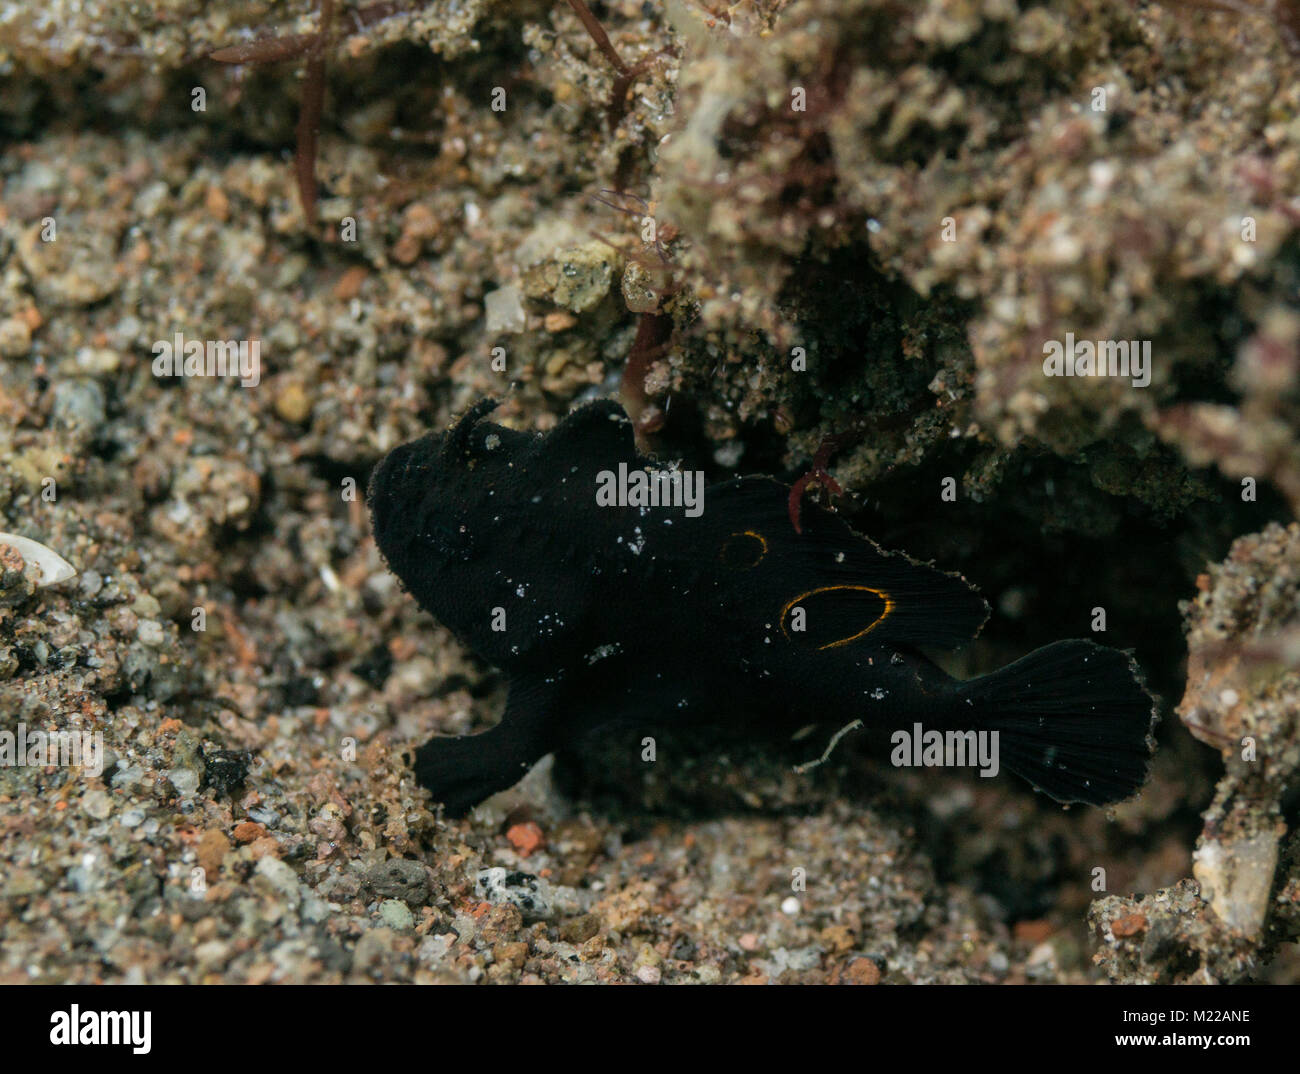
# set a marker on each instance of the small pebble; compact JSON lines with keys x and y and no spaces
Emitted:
{"x":15,"y":337}
{"x":97,"y":804}
{"x":397,"y":915}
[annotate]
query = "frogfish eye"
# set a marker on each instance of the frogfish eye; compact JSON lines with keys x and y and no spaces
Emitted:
{"x":453,"y":541}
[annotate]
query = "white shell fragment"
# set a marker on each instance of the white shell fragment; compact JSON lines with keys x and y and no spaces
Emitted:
{"x":52,"y":566}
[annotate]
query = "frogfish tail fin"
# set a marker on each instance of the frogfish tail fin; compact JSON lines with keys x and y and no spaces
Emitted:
{"x":1073,"y":719}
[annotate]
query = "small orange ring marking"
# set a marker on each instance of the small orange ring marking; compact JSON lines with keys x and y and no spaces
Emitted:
{"x":747,"y":533}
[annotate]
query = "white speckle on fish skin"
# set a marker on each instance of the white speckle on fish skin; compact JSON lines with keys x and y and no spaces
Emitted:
{"x":601,"y":652}
{"x":491,"y":442}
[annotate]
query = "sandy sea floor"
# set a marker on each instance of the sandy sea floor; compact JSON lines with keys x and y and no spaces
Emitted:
{"x":964,"y":180}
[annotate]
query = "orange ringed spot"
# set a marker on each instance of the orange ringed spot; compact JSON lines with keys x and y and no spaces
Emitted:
{"x":889,"y":607}
{"x":743,"y":550}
